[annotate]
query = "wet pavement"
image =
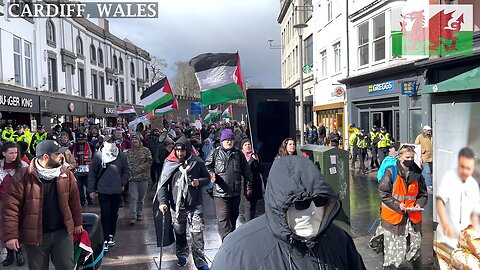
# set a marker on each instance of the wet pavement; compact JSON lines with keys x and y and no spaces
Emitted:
{"x":136,"y":244}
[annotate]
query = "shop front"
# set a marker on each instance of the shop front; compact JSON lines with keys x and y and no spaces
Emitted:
{"x":388,"y":99}
{"x":19,"y":108}
{"x":104,"y":115}
{"x":331,"y":112}
{"x":66,"y":112}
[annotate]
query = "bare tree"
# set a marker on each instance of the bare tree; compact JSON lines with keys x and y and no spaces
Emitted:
{"x":185,"y":82}
{"x":158,"y":66}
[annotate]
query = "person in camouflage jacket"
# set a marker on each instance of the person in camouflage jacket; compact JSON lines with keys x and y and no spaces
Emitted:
{"x":139,"y":160}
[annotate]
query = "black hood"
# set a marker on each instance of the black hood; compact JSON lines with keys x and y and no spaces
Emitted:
{"x":294,"y":178}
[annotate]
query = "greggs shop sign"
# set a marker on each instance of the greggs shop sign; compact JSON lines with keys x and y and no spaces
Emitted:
{"x":381,"y":87}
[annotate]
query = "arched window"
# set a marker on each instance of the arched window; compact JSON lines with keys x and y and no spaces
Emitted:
{"x":146,"y":74}
{"x":100,"y":56}
{"x":50,"y":32}
{"x":79,"y":46}
{"x":93,"y":53}
{"x":115,"y":64}
{"x":132,"y":69}
{"x":120,"y":63}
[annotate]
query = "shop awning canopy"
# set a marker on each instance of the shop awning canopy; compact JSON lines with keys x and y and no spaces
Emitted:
{"x":465,"y":81}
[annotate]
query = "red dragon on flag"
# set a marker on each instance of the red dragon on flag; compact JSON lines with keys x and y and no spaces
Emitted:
{"x":434,"y":29}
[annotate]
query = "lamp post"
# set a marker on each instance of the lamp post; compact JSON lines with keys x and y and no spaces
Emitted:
{"x":299,"y":26}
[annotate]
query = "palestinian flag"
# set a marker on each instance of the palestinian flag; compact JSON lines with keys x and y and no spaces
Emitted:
{"x":158,"y":95}
{"x":423,"y":29}
{"x":129,"y":110}
{"x":212,"y":114}
{"x":228,"y":112}
{"x":170,"y":106}
{"x":219,"y":77}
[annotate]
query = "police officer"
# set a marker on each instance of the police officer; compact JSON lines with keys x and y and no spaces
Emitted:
{"x":374,"y":138}
{"x":7,"y":133}
{"x":39,"y":136}
{"x":19,"y":135}
{"x":383,"y":143}
{"x":360,"y":145}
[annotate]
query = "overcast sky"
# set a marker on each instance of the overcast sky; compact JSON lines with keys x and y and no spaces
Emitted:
{"x":186,"y":28}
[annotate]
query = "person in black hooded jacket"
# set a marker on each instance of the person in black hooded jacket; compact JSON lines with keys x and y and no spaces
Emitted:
{"x":296,"y":231}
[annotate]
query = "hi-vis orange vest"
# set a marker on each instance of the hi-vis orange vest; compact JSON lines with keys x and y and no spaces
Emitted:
{"x":408,"y":197}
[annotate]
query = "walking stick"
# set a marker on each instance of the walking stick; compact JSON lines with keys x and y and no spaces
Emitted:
{"x":159,"y":264}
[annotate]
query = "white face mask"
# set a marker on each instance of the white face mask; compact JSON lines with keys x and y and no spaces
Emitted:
{"x":305,"y":223}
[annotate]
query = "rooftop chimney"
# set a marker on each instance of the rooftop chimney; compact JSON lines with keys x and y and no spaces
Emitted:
{"x":103,"y":23}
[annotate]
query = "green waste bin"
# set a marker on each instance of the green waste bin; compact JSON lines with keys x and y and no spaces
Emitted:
{"x":333,"y":165}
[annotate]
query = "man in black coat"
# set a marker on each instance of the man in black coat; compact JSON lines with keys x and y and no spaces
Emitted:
{"x":296,"y":231}
{"x":226,"y":165}
{"x":183,"y":177}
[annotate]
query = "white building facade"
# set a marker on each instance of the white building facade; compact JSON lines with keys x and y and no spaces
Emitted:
{"x":288,"y":18}
{"x":67,"y":70}
{"x":330,"y":64}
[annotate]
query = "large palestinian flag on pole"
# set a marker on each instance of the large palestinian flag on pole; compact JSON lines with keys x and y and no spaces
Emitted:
{"x":158,"y":95}
{"x":228,"y":112}
{"x":219,"y":77}
{"x":212,"y":114}
{"x":170,"y":106}
{"x":420,"y":28}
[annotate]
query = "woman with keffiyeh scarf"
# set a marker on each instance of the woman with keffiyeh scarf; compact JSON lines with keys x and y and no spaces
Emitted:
{"x":257,"y":169}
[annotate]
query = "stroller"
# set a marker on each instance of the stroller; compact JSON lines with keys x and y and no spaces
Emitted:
{"x":93,"y":226}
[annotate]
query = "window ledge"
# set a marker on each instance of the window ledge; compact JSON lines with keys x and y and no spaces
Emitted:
{"x":93,"y":62}
{"x":80,"y":56}
{"x":336,"y":74}
{"x":100,"y":65}
{"x":329,"y":22}
{"x":51,"y":43}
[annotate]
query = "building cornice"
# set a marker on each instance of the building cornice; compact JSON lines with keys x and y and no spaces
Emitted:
{"x":390,"y":70}
{"x":283,"y":10}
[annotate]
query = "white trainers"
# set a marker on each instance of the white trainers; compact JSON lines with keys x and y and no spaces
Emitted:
{"x":111,"y":241}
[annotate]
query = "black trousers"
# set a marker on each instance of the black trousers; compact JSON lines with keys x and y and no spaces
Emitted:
{"x":82,"y":183}
{"x":361,"y":153}
{"x":227,"y":210}
{"x":109,"y":205}
{"x":250,"y":209}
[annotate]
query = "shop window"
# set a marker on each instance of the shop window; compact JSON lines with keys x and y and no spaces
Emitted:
{"x":17,"y":60}
{"x":415,"y":124}
{"x":363,"y":40}
{"x":52,"y":75}
{"x":379,"y":37}
{"x":323,"y":56}
{"x":51,"y":40}
{"x":94,"y":86}
{"x":101,"y":81}
{"x":79,"y":46}
{"x":81,"y":81}
{"x":28,"y":64}
{"x":309,"y":51}
{"x":337,"y":56}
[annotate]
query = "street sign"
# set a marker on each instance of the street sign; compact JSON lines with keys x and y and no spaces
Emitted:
{"x":196,"y":108}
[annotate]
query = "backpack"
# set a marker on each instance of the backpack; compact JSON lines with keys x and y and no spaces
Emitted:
{"x":388,"y":163}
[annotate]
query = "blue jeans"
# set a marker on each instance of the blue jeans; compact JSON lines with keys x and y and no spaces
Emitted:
{"x":427,"y":172}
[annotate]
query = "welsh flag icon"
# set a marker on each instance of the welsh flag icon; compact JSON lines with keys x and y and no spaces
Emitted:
{"x":432,"y":29}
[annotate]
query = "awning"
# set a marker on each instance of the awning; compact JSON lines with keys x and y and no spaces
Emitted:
{"x":465,"y":81}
